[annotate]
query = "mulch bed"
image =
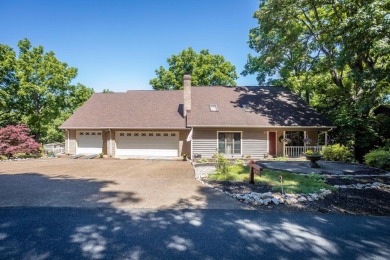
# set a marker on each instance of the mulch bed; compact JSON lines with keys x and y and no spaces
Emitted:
{"x":344,"y":201}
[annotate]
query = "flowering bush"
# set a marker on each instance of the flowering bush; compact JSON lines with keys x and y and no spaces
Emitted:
{"x":15,"y":140}
{"x":310,"y":152}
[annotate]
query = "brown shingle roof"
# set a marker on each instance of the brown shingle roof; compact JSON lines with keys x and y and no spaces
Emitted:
{"x":133,"y":109}
{"x":271,"y":106}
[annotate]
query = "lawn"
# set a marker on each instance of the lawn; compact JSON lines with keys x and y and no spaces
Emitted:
{"x":292,"y":183}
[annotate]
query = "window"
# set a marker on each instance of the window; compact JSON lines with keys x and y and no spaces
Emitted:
{"x":229,"y":143}
{"x":296,"y":138}
{"x":122,"y":134}
{"x":213,"y":107}
{"x":150,"y":134}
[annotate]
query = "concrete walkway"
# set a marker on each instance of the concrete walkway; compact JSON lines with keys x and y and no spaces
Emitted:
{"x":326,"y":167}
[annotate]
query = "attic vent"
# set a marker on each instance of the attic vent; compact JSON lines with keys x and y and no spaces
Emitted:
{"x":247,"y":108}
{"x":213,"y":107}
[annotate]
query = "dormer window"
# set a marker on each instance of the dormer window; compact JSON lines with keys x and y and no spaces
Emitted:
{"x":213,"y":107}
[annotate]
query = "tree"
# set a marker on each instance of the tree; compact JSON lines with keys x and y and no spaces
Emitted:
{"x":206,"y":70}
{"x":8,"y":86}
{"x":16,"y":139}
{"x":335,"y":52}
{"x":36,"y":89}
{"x":106,"y":90}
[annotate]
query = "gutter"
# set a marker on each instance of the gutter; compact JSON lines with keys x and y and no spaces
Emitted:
{"x":260,"y":126}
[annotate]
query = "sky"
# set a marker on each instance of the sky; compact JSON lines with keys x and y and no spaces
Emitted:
{"x":118,"y":44}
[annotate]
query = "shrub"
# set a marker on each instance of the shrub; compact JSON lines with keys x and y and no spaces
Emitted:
{"x":336,"y":152}
{"x":16,"y":139}
{"x":379,"y":158}
{"x":203,"y":160}
{"x":281,"y":159}
{"x":20,"y":155}
{"x":2,"y":158}
{"x":239,"y":162}
{"x":222,"y":164}
{"x":316,"y":177}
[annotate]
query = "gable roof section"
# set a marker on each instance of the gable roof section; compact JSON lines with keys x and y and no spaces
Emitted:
{"x":133,"y":109}
{"x":267,"y":107}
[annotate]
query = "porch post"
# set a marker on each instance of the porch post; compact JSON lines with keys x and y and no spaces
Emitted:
{"x":326,"y":138}
{"x":284,"y":144}
{"x":304,"y":137}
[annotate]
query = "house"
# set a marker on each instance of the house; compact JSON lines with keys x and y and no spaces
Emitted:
{"x":239,"y":122}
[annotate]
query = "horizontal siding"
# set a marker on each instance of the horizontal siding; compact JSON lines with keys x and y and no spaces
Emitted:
{"x":204,"y":142}
{"x":254,"y":143}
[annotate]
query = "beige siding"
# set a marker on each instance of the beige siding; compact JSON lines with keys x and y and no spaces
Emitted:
{"x":70,"y":142}
{"x":184,"y":146}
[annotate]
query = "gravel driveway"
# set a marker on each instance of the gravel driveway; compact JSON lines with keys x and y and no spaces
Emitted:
{"x":106,"y":183}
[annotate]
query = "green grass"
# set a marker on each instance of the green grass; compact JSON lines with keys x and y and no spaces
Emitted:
{"x":292,"y":183}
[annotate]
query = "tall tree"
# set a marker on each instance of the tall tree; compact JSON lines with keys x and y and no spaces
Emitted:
{"x":8,"y":86}
{"x":206,"y":70}
{"x":336,"y":52}
{"x":36,"y":89}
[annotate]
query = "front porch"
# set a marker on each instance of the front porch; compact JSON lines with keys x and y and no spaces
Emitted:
{"x":293,"y":144}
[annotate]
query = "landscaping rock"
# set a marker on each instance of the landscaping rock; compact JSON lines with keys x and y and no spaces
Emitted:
{"x":275,"y":201}
{"x":266,"y":201}
{"x":302,"y":199}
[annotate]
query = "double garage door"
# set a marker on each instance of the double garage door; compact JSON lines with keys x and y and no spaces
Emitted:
{"x":140,"y":144}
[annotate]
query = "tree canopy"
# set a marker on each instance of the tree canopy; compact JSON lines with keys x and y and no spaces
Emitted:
{"x":206,"y":69}
{"x":36,"y":89}
{"x":334,"y":53}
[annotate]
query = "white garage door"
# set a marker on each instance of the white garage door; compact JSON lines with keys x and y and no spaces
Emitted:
{"x":147,"y":143}
{"x":89,"y":142}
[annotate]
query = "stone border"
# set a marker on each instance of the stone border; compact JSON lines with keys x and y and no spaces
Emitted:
{"x":259,"y":199}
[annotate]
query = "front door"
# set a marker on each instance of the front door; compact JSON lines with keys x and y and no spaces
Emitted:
{"x":272,"y":143}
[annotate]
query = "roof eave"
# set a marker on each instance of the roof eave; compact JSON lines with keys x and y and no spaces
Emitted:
{"x":260,"y":126}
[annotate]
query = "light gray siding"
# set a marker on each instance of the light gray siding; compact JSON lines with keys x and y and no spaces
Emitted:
{"x":204,"y":142}
{"x":254,"y":142}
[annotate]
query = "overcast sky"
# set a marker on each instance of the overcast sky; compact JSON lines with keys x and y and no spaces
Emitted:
{"x":118,"y":44}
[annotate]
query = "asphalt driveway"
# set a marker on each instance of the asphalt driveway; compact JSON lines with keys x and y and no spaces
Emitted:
{"x":149,"y":184}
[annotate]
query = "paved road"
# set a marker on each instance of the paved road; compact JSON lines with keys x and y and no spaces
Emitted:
{"x":98,"y":233}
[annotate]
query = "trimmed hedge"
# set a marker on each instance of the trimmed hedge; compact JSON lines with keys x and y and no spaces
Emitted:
{"x":379,"y":158}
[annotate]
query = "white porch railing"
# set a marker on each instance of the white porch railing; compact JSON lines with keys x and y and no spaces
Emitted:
{"x":297,"y":151}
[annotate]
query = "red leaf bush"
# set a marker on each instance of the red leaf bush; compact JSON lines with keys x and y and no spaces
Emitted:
{"x":16,"y":139}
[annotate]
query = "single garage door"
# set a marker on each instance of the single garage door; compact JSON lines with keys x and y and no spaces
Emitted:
{"x":89,"y":142}
{"x":147,"y":144}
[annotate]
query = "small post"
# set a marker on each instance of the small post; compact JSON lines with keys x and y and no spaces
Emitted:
{"x":281,"y":183}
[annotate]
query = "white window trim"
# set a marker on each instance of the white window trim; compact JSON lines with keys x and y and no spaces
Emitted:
{"x":241,"y":132}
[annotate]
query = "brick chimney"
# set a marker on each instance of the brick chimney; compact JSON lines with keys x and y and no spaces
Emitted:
{"x":187,"y":93}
